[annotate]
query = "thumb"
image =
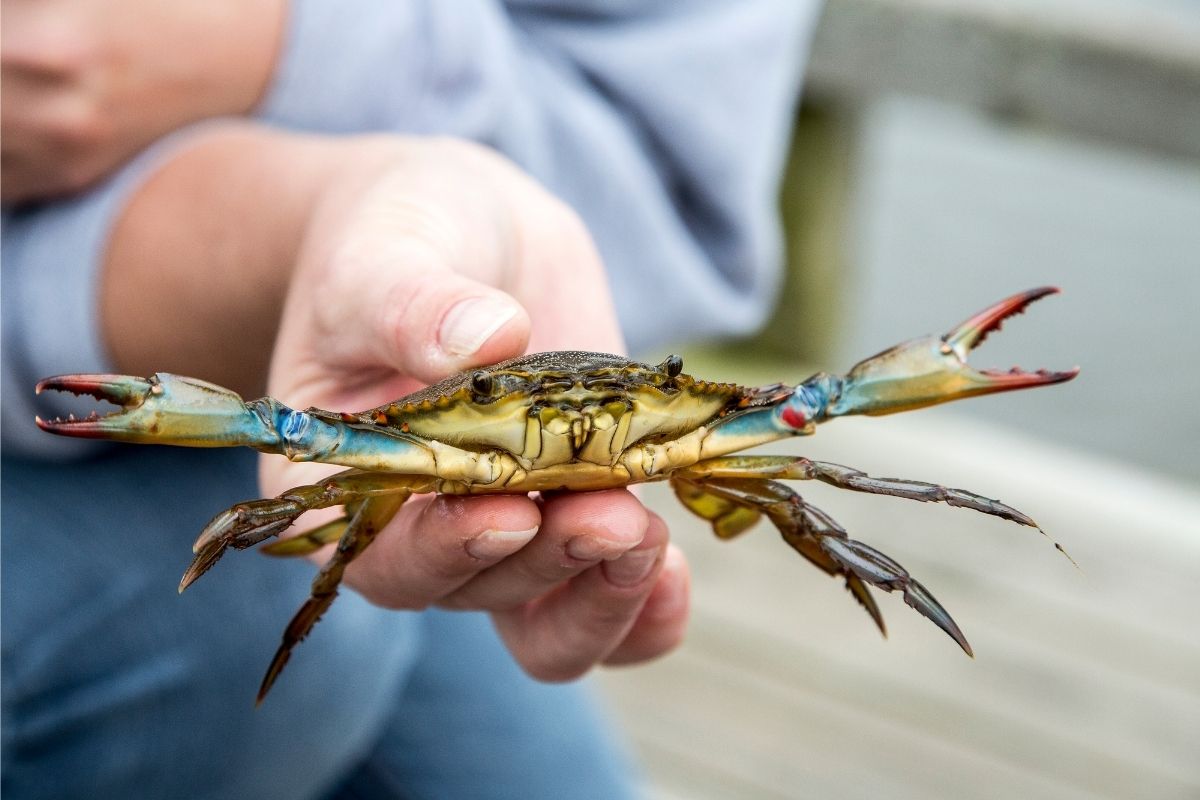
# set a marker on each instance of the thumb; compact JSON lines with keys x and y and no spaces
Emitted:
{"x":431,"y":324}
{"x":356,"y":348}
{"x":410,"y":286}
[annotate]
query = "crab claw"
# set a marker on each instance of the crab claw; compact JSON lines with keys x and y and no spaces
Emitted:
{"x":164,"y":409}
{"x":934,"y":369}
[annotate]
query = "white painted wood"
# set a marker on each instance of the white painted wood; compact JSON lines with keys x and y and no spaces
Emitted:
{"x":1122,"y":70}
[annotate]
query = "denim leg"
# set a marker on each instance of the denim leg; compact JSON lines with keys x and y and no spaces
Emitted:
{"x":115,"y":687}
{"x":471,"y":724}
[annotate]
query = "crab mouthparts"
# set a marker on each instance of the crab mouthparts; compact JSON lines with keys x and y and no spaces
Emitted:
{"x":970,"y":334}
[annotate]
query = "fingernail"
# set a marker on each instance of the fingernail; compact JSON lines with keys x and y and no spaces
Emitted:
{"x":491,"y":544}
{"x":591,"y":548}
{"x":633,"y":567}
{"x":470,"y":323}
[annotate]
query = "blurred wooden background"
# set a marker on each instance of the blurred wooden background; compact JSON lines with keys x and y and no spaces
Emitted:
{"x":1076,"y":160}
{"x":1086,"y":683}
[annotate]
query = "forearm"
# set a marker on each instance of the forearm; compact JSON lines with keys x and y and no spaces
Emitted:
{"x":198,"y":263}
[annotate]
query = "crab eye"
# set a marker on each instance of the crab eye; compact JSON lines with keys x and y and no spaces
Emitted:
{"x":672,"y":365}
{"x":481,"y":382}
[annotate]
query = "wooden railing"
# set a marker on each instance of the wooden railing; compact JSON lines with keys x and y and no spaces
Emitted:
{"x":1124,"y":72}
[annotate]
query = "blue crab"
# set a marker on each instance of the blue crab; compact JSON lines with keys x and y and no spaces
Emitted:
{"x":566,"y":421}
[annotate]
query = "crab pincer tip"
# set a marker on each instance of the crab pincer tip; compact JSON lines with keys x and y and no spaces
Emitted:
{"x":1062,"y":550}
{"x":116,"y":389}
{"x":189,"y":577}
{"x":89,"y":427}
{"x":197,"y":568}
{"x":282,"y":655}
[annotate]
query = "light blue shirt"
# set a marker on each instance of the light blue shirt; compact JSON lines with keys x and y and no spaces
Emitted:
{"x":663,"y":124}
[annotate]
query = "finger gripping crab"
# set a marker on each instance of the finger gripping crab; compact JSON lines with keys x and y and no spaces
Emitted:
{"x":566,"y":421}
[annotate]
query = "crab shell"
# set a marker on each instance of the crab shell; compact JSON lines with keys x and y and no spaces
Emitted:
{"x":557,"y":408}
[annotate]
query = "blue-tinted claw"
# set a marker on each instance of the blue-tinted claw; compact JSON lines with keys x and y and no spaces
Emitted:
{"x":934,"y":369}
{"x":164,"y":409}
{"x":119,"y":389}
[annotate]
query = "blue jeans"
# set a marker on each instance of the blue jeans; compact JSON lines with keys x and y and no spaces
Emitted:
{"x":113,"y":686}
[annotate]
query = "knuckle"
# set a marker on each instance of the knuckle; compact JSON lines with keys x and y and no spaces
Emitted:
{"x":549,"y":571}
{"x":448,"y":563}
{"x":605,"y":617}
{"x":389,"y":311}
{"x":407,"y":319}
{"x":561,"y":226}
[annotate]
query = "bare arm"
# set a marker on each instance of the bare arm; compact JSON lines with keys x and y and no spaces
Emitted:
{"x":200,"y":259}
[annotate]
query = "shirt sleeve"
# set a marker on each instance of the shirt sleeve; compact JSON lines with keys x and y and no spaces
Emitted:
{"x":49,"y":311}
{"x":49,"y":308}
{"x":664,"y":125}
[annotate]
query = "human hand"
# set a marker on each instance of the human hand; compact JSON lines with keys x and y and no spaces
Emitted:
{"x":88,"y":83}
{"x":442,"y":257}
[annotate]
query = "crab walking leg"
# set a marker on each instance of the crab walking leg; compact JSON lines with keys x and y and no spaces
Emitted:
{"x":804,"y":526}
{"x":310,"y":541}
{"x":370,"y":518}
{"x":803,"y":469}
{"x":732,"y":511}
{"x":247,"y":524}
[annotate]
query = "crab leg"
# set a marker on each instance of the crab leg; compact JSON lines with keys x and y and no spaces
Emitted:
{"x":310,"y":541}
{"x":733,"y":513}
{"x":370,"y":518}
{"x":247,"y":524}
{"x":804,"y":469}
{"x":175,"y":410}
{"x":817,"y":537}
